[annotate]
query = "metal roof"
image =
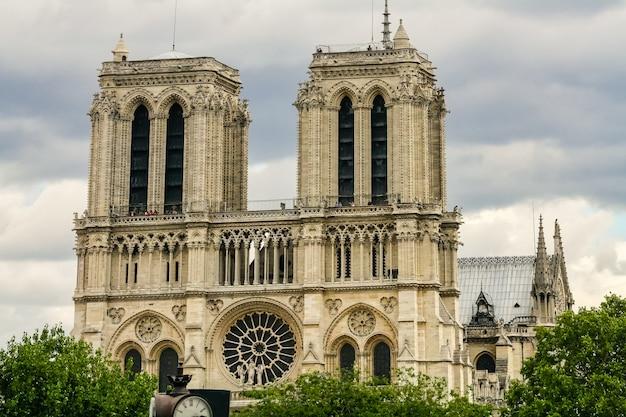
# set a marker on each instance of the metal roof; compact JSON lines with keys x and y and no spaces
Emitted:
{"x":506,"y":280}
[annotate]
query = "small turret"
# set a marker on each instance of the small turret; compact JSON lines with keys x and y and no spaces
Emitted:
{"x":401,"y":40}
{"x":120,"y":53}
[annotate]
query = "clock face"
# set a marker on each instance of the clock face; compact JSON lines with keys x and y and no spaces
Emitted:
{"x":193,"y":407}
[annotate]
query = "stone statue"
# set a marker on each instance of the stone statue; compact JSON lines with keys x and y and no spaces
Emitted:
{"x":251,"y":369}
{"x":260,"y":368}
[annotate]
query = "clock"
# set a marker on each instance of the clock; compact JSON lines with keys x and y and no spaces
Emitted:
{"x":193,"y":406}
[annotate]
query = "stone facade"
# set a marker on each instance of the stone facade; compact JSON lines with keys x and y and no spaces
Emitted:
{"x":360,"y":271}
{"x":503,"y":301}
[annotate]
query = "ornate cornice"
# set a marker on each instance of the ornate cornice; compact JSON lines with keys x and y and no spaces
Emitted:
{"x":220,"y":291}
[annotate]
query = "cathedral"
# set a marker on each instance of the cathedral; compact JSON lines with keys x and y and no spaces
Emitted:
{"x":361,"y":270}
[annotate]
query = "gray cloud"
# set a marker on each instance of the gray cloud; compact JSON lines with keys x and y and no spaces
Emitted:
{"x":512,"y":70}
{"x":494,"y":174}
{"x":536,"y":90}
{"x":552,"y":7}
{"x":31,"y":151}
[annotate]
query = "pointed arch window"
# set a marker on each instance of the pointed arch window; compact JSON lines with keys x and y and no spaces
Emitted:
{"x":382,"y":361}
{"x":379,"y":151}
{"x":347,"y":357}
{"x":139,"y":158}
{"x":346,"y":152}
{"x":132,"y":361}
{"x":175,"y":147}
{"x":485,"y":362}
{"x":168,"y":363}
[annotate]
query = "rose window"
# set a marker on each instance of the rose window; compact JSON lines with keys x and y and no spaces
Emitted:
{"x":259,"y":348}
{"x":362,"y":322}
{"x":148,"y":329}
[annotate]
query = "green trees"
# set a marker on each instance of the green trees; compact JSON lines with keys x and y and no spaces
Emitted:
{"x":51,"y":374}
{"x":321,"y":395}
{"x":579,"y":368}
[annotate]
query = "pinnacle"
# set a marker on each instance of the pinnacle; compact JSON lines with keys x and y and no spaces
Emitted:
{"x":401,"y":39}
{"x":120,"y":53}
{"x":541,"y":262}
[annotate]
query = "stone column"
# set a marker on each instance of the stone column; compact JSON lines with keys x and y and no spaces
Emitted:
{"x":227,"y":266}
{"x":257,"y":267}
{"x":276,"y":261}
{"x":246,"y":257}
{"x":237,"y":264}
{"x":361,"y":150}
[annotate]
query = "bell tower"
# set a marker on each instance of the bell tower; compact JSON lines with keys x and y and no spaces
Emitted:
{"x":169,"y":135}
{"x":371,"y":126}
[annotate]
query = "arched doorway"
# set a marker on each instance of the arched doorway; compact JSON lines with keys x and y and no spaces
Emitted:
{"x":168,"y":362}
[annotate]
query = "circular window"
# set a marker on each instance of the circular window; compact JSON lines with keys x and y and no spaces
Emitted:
{"x":259,"y":348}
{"x":362,"y":322}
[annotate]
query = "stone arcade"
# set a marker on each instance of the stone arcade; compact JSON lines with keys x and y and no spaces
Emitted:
{"x":360,"y":270}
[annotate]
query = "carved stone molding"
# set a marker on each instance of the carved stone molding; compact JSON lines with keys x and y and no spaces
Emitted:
{"x":361,"y":322}
{"x":148,"y":329}
{"x":180,"y":312}
{"x":116,"y":314}
{"x":389,"y":304}
{"x":333,"y":306}
{"x":297,"y":303}
{"x":215,"y":306}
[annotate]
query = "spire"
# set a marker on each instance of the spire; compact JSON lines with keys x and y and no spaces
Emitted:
{"x":401,"y":40}
{"x":120,"y":53}
{"x":541,"y":262}
{"x":560,"y":256}
{"x":386,"y":32}
{"x":558,"y":243}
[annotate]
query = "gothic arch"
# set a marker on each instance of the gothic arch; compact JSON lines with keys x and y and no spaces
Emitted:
{"x":231,"y":313}
{"x":134,"y":99}
{"x":170,"y":96}
{"x":487,"y":361}
{"x":341,"y":340}
{"x":163,"y":344}
{"x":387,"y":329}
{"x":124,"y":347}
{"x":380,"y":337}
{"x":126,"y":331}
{"x":370,"y":348}
{"x":344,"y":89}
{"x":374,"y":88}
{"x":222,"y":325}
{"x":228,"y":106}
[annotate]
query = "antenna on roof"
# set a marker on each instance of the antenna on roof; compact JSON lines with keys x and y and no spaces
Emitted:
{"x":174,"y":32}
{"x":532,"y":202}
{"x":372,"y":21}
{"x":386,"y":32}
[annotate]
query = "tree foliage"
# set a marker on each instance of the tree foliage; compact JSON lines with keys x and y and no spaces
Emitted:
{"x":579,"y":368}
{"x":323,"y":395}
{"x":53,"y":375}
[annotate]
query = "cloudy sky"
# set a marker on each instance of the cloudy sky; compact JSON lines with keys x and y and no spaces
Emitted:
{"x":536,"y":90}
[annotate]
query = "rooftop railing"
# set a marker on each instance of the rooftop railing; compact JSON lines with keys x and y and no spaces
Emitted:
{"x":271,"y":208}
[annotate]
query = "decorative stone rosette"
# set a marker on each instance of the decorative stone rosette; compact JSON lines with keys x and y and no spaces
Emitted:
{"x":361,"y":322}
{"x":148,"y":329}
